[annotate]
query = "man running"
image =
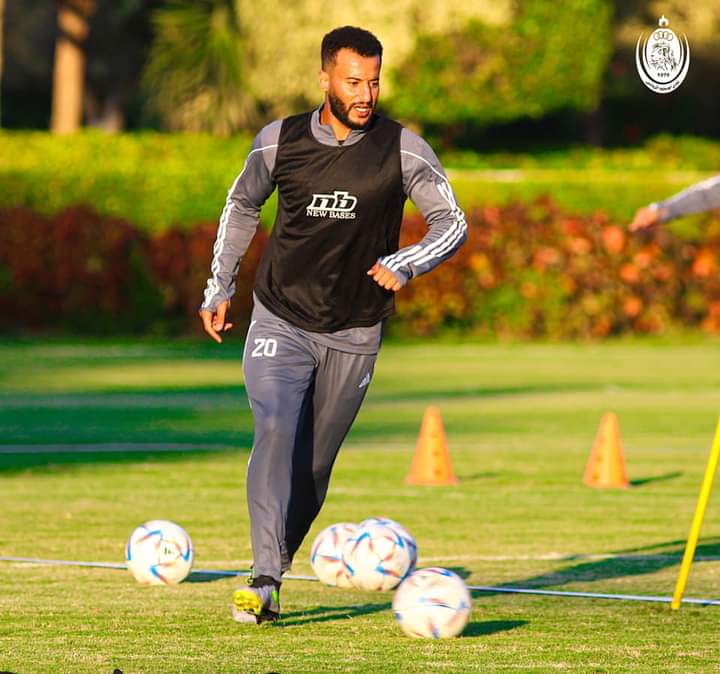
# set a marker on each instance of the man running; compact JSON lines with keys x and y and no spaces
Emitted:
{"x":703,"y":196}
{"x":324,"y":287}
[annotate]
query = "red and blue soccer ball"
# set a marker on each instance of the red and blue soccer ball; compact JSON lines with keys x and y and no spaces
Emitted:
{"x":326,"y":554}
{"x":159,"y":552}
{"x":377,"y":557}
{"x":401,"y":531}
{"x":432,"y":603}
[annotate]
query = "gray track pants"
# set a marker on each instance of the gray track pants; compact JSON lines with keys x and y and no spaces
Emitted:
{"x":304,"y":398}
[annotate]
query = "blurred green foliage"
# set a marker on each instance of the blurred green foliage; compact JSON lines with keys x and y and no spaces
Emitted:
{"x":659,"y":154}
{"x":159,"y":180}
{"x":283,"y":71}
{"x":195,"y":74}
{"x":212,"y":67}
{"x":153,"y":180}
{"x":545,"y":60}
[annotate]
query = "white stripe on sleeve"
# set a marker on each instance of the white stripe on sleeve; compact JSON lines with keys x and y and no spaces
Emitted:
{"x":213,"y":286}
{"x":417,"y":254}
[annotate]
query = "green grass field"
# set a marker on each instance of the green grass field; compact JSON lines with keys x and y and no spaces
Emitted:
{"x":520,"y":421}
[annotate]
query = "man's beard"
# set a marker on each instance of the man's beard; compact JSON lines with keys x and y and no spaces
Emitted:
{"x":342,"y":112}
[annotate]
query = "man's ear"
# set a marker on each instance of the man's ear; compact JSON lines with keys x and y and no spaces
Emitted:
{"x":324,"y":80}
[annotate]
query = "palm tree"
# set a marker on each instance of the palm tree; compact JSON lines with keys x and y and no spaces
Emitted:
{"x":69,"y":69}
{"x":195,"y":71}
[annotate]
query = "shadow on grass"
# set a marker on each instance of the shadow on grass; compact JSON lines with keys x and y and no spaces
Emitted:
{"x":180,"y":415}
{"x":460,"y":571}
{"x":55,"y":462}
{"x":487,"y":392}
{"x":486,"y":627}
{"x":639,"y":482}
{"x":476,"y":477}
{"x":202,"y":577}
{"x":50,"y":432}
{"x":624,"y":563}
{"x":321,"y":614}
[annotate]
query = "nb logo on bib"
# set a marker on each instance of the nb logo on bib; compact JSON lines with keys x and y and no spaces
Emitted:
{"x":339,"y":204}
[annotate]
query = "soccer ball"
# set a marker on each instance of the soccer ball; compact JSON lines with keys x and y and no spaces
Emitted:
{"x":432,"y":603}
{"x":159,"y":552}
{"x":326,"y":555}
{"x":401,"y":530}
{"x":376,"y":557}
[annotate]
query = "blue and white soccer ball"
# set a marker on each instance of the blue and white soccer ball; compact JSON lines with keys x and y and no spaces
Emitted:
{"x":326,"y":554}
{"x":159,"y":552}
{"x":401,"y":530}
{"x":432,"y":603}
{"x":377,"y":557}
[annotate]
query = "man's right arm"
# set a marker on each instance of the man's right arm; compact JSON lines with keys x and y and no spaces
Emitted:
{"x":241,"y":215}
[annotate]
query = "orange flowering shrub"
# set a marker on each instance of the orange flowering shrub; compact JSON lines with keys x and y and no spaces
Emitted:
{"x":533,"y":270}
{"x":527,"y":270}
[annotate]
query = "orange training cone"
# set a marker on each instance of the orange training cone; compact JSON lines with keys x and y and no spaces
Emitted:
{"x":606,"y":466}
{"x":431,"y":464}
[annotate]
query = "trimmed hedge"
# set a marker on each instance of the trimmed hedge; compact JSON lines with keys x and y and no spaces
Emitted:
{"x":153,"y":180}
{"x":662,"y":153}
{"x":160,"y":181}
{"x":528,"y":270}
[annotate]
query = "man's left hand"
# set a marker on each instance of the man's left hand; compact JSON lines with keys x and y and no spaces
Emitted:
{"x":387,"y":279}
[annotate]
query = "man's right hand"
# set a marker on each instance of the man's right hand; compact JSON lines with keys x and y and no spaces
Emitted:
{"x":215,"y":323}
{"x":647,"y":217}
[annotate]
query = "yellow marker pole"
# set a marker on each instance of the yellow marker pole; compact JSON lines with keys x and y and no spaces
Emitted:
{"x":687,"y":561}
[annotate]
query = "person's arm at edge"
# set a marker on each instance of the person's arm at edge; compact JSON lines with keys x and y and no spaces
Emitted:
{"x":237,"y":227}
{"x":427,"y":186}
{"x":703,"y":196}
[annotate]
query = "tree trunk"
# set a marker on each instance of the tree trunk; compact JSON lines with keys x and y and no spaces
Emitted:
{"x":69,"y":71}
{"x":595,"y":124}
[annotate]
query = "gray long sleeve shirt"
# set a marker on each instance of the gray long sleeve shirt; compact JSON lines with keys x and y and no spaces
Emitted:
{"x":424,"y":181}
{"x":703,"y":196}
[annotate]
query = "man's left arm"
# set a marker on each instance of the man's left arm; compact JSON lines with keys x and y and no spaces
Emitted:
{"x":425,"y":182}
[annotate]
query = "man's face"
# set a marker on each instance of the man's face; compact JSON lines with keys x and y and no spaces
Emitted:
{"x":352,"y":84}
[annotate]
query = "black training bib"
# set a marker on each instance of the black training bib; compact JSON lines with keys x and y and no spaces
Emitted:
{"x":339,"y":210}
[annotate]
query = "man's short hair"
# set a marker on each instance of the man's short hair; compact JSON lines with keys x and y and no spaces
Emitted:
{"x":361,"y":41}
